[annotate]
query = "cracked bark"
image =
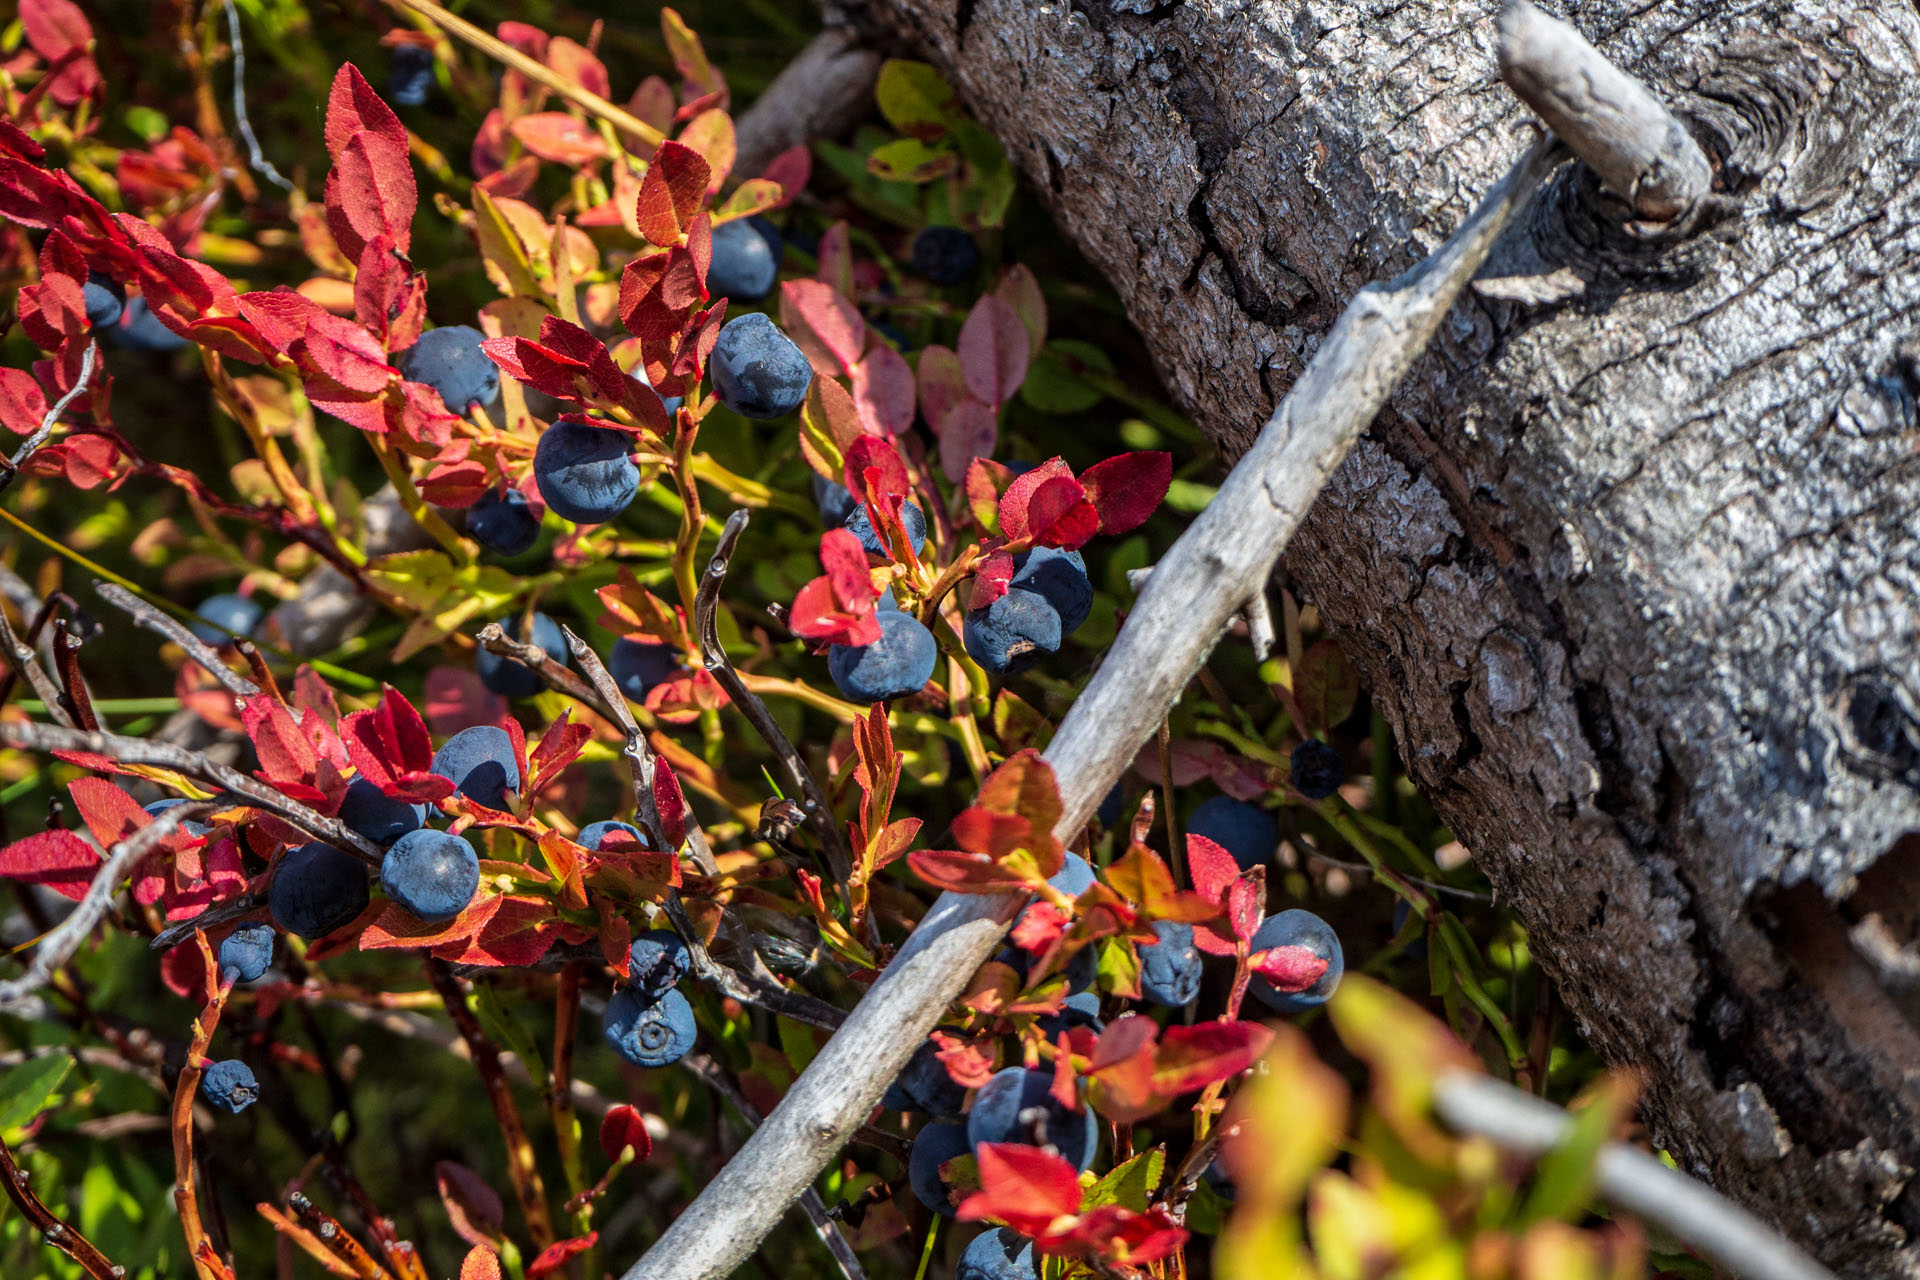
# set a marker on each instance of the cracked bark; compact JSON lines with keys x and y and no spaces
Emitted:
{"x":1629,"y":559}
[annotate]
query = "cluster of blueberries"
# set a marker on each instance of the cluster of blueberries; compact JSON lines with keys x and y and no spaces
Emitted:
{"x":648,"y":1022}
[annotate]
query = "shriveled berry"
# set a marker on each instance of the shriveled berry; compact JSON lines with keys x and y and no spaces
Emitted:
{"x":503,"y":523}
{"x":449,"y":360}
{"x":1303,"y":929}
{"x":433,"y":874}
{"x":656,"y":961}
{"x":649,"y":1033}
{"x":932,"y":1147}
{"x":944,"y":255}
{"x":481,"y":764}
{"x":1013,"y":633}
{"x":1170,"y":970}
{"x":757,"y":370}
{"x":998,"y":1253}
{"x":1246,"y":831}
{"x":245,"y":953}
{"x":1317,"y":769}
{"x":230,"y":1086}
{"x":511,"y":678}
{"x":900,"y":662}
{"x":316,"y":889}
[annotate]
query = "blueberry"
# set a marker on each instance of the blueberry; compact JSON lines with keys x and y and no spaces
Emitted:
{"x":230,"y":1086}
{"x":998,"y":1253}
{"x":1417,"y":949}
{"x":245,"y":953}
{"x":224,"y":613}
{"x":900,"y":662}
{"x":585,"y":473}
{"x":896,"y":1099}
{"x":1246,"y":831}
{"x":1012,"y":633}
{"x":1170,"y":969}
{"x":1296,"y":928}
{"x":370,"y":812}
{"x":316,"y":889}
{"x":1109,"y":811}
{"x":672,"y":404}
{"x":1081,"y":1009}
{"x":1217,"y":1177}
{"x":834,"y":501}
{"x":505,"y":525}
{"x":139,"y":329}
{"x":1075,"y":876}
{"x":481,"y":765}
{"x":410,"y":77}
{"x":746,"y":259}
{"x":928,"y":1086}
{"x":862,"y":528}
{"x":191,"y":827}
{"x":757,"y":371}
{"x":1060,"y":577}
{"x":649,"y":1033}
{"x":637,"y":666}
{"x":944,"y":255}
{"x":431,"y":873}
{"x":933,"y":1146}
{"x":449,"y":360}
{"x":1317,"y":769}
{"x":1017,"y":1105}
{"x":594,"y":834}
{"x":104,"y":299}
{"x":511,"y":678}
{"x":656,"y":962}
{"x":1082,"y":966}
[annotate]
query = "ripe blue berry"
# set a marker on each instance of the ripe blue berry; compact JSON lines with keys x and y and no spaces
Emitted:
{"x":410,"y":77}
{"x":191,"y":827}
{"x":1246,"y":831}
{"x":1217,"y":1177}
{"x":229,"y":1085}
{"x":900,"y":662}
{"x":757,"y":370}
{"x":431,"y":873}
{"x":449,"y":360}
{"x":1109,"y":811}
{"x":224,"y":613}
{"x":998,"y":1253}
{"x":1170,"y":970}
{"x":1296,"y":928}
{"x":862,"y":528}
{"x":944,"y":255}
{"x":656,"y":962}
{"x":1081,"y":1009}
{"x":316,"y":889}
{"x":585,"y":472}
{"x":511,"y":678}
{"x":1017,"y":1105}
{"x":1012,"y":633}
{"x":139,"y":329}
{"x":1075,"y":876}
{"x":1060,"y":578}
{"x":833,"y":500}
{"x":933,"y":1146}
{"x":504,"y":525}
{"x":368,"y":811}
{"x":481,"y":765}
{"x":104,"y":299}
{"x":637,"y":666}
{"x":927,"y":1085}
{"x":649,"y":1033}
{"x":595,"y":833}
{"x":1317,"y":769}
{"x":245,"y":953}
{"x":746,"y":259}
{"x":1081,"y":969}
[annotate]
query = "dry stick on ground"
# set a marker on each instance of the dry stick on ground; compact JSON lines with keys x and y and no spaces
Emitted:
{"x":145,"y":615}
{"x":58,"y":946}
{"x":1633,"y":1180}
{"x":706,"y":609}
{"x":193,"y":764}
{"x":10,"y":467}
{"x":722,"y":1083}
{"x":1609,"y":119}
{"x":1216,"y":566}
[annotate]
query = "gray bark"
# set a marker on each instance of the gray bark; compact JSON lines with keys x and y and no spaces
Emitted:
{"x":1629,"y":560}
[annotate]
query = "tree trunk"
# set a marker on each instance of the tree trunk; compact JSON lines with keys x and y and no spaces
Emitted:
{"x":1630,"y":560}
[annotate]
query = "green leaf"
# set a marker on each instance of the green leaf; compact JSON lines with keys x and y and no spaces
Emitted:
{"x":1189,"y":497}
{"x":27,"y":1089}
{"x":797,"y":1043}
{"x":1053,"y":387}
{"x":1130,"y":1185}
{"x":911,"y":160}
{"x":915,"y":99}
{"x":507,"y":1030}
{"x":1563,"y":1182}
{"x":505,"y":256}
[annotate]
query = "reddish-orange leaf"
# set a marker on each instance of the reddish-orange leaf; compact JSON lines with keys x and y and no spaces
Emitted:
{"x":1125,"y":490}
{"x":1194,"y":1057}
{"x":1025,"y":1187}
{"x":58,"y":859}
{"x":824,"y":324}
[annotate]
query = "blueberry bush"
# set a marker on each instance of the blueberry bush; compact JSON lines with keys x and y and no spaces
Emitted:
{"x":402,"y":417}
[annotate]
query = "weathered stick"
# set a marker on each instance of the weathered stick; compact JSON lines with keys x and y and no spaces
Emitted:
{"x":1475,"y":1104}
{"x":822,"y":93}
{"x":24,"y":662}
{"x":1605,"y":116}
{"x":10,"y":467}
{"x":494,"y":639}
{"x":1215,"y":567}
{"x":145,"y":615}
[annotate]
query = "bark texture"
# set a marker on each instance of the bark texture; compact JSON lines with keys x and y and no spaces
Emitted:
{"x":1631,"y":559}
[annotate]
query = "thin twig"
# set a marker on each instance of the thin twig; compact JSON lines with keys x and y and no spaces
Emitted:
{"x":145,"y":615}
{"x":335,"y":1238}
{"x":27,"y":736}
{"x":706,"y":608}
{"x":718,"y":1079}
{"x":494,"y":639}
{"x":1215,"y":567}
{"x":255,"y":156}
{"x":58,"y":946}
{"x":1476,"y":1104}
{"x":49,"y":1224}
{"x":24,"y":662}
{"x":207,"y":1264}
{"x":73,"y":685}
{"x":11,"y":467}
{"x":1605,"y":116}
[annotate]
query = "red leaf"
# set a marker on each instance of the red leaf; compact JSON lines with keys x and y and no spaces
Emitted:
{"x":1126,"y":489}
{"x":791,"y":169}
{"x":56,"y":28}
{"x":1194,"y":1057}
{"x":559,"y":138}
{"x":968,"y":432}
{"x":969,"y":1062}
{"x":576,"y":63}
{"x":370,"y":192}
{"x":1058,"y":514}
{"x":1025,"y":1187}
{"x":624,"y":1127}
{"x":818,"y":615}
{"x":1291,"y":968}
{"x":671,"y":192}
{"x":994,"y":349}
{"x":1212,"y":868}
{"x":554,"y":1257}
{"x":962,"y":871}
{"x":559,"y":747}
{"x":1118,"y":1235}
{"x":22,"y":404}
{"x":520,"y":933}
{"x":286,"y":756}
{"x":883,"y":391}
{"x":58,"y":859}
{"x":991,"y":578}
{"x":671,"y":802}
{"x":390,"y":747}
{"x":481,"y":1263}
{"x":1024,"y":785}
{"x":396,"y":927}
{"x":1120,"y":1073}
{"x":352,"y":106}
{"x":875,"y":472}
{"x":1013,"y":503}
{"x":824,"y":325}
